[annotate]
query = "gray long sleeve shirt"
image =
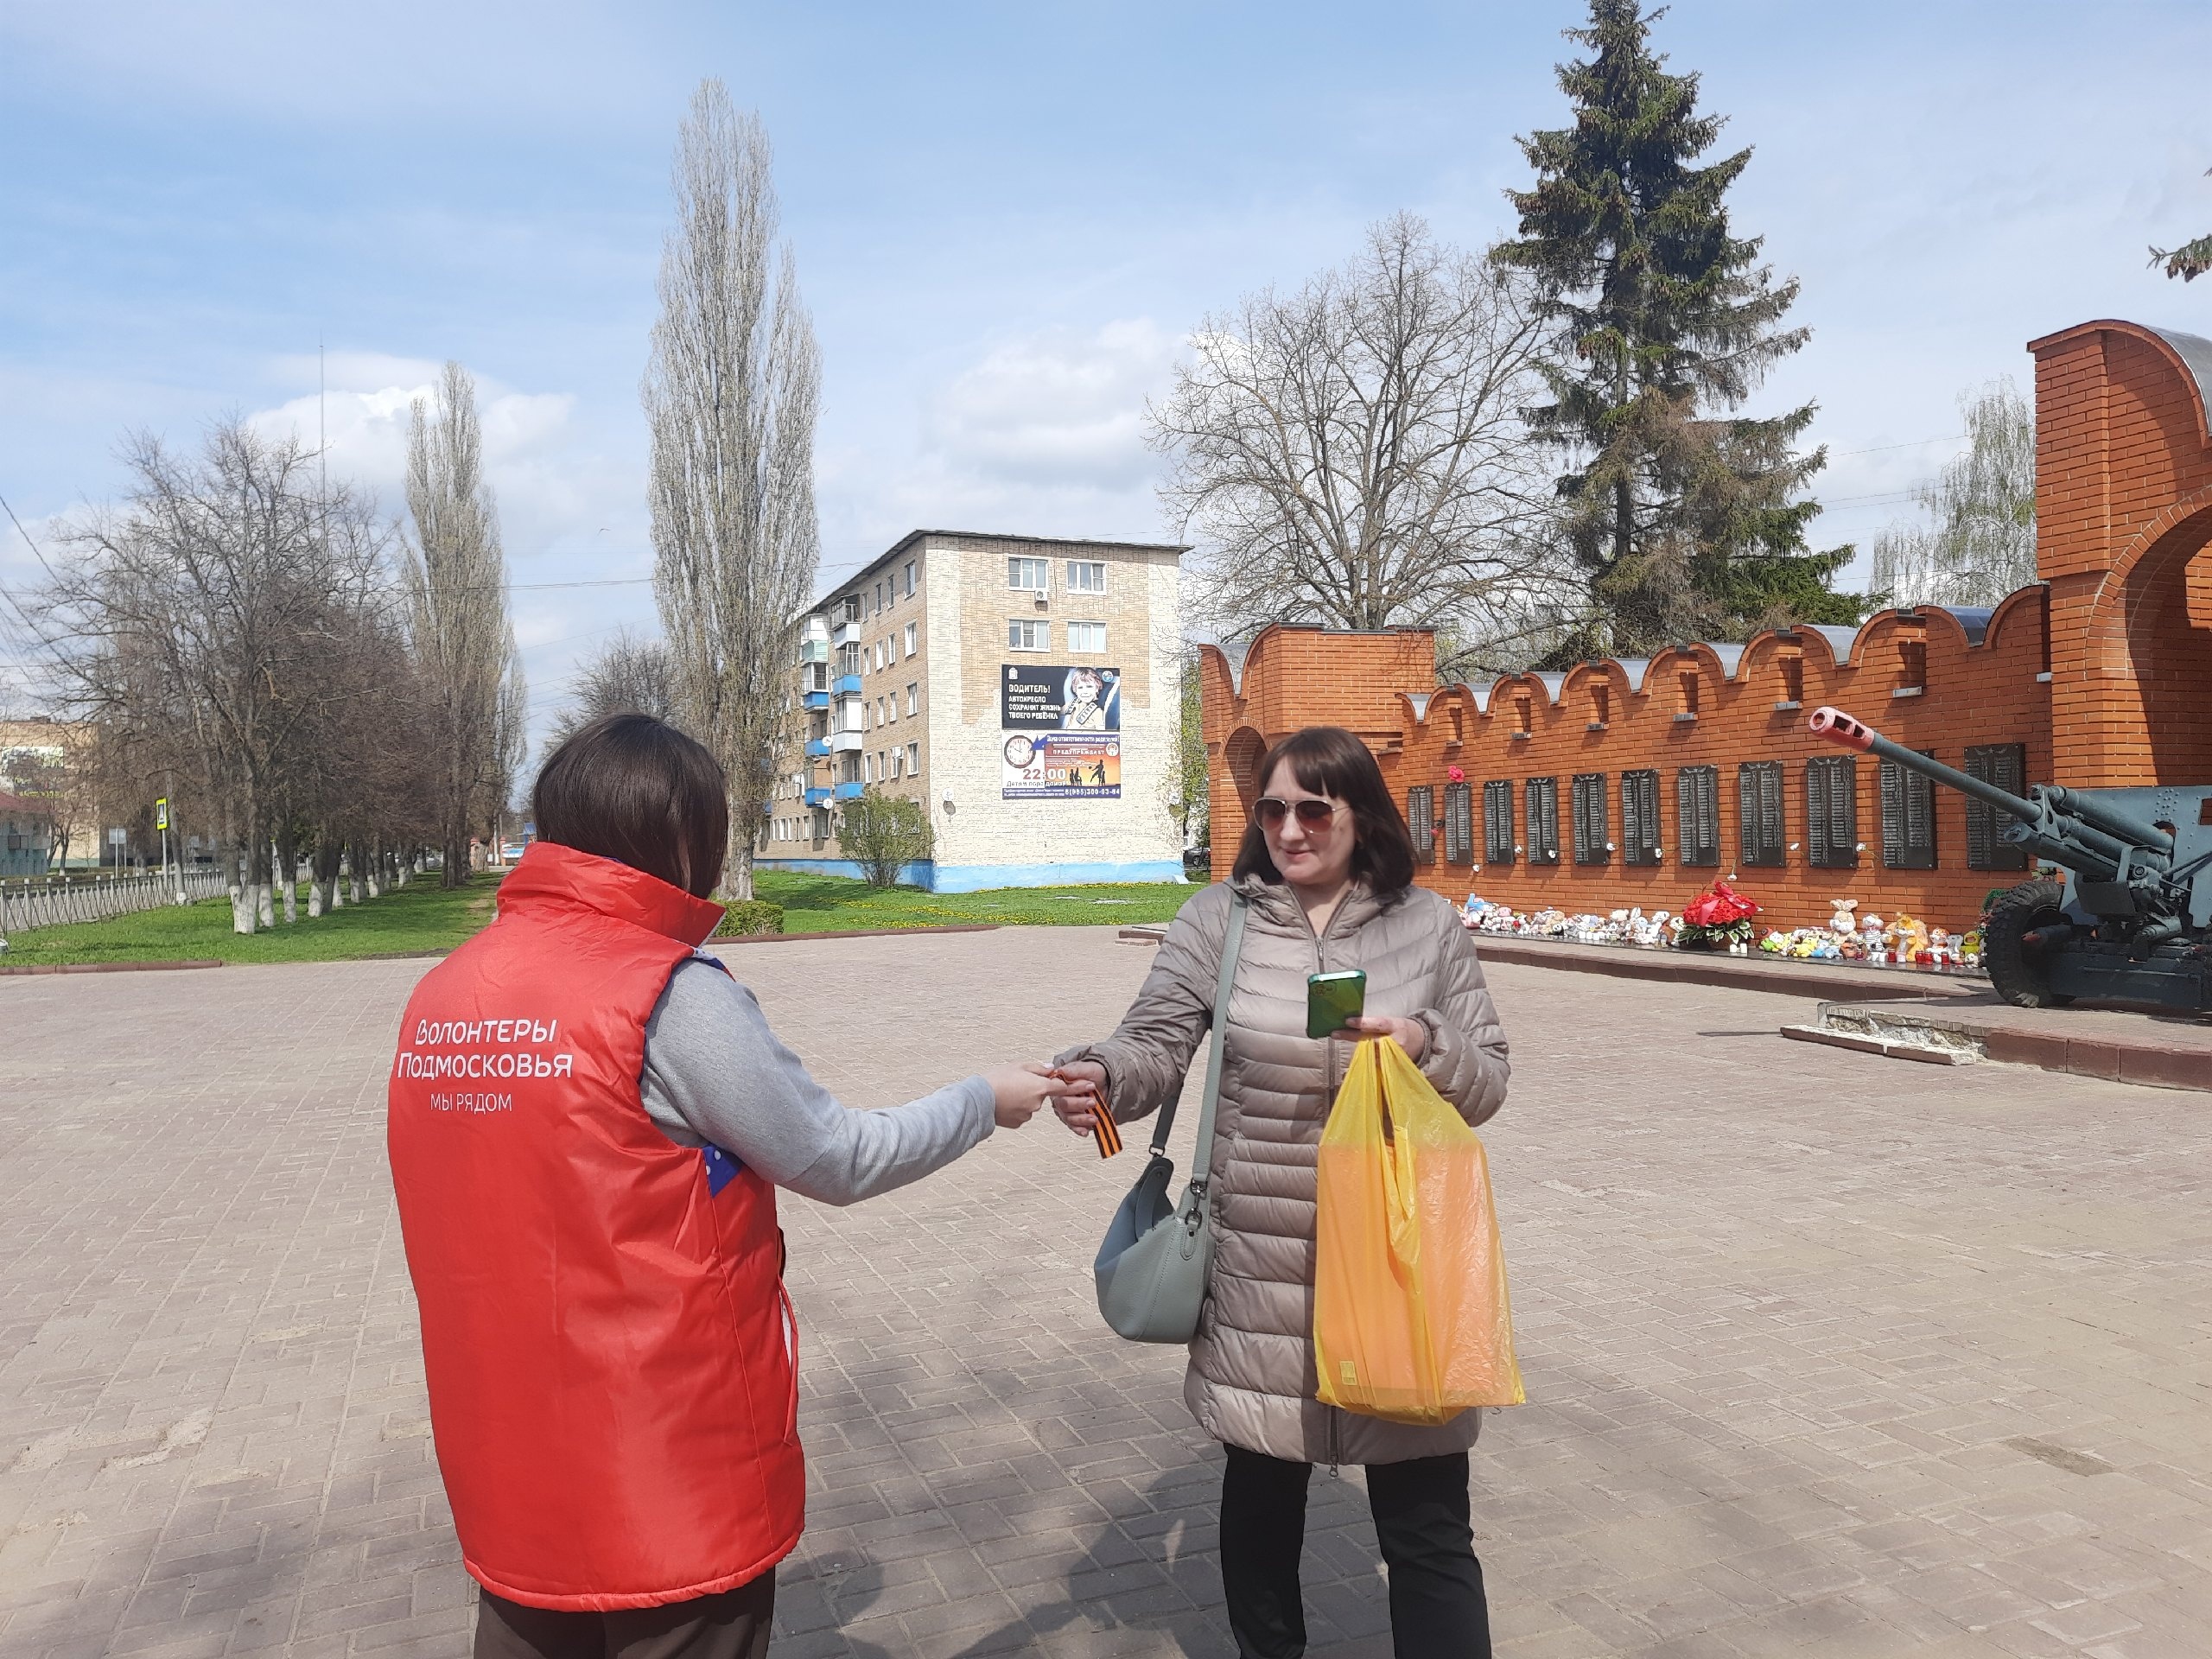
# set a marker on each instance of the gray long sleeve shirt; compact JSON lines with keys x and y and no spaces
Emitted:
{"x":715,"y":1072}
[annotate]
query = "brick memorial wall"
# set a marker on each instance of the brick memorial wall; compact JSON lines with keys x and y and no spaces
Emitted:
{"x":1636,"y":783}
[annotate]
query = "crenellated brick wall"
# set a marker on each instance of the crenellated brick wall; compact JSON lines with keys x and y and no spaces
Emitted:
{"x":2101,"y":673}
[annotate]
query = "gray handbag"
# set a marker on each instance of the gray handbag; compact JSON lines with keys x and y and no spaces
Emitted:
{"x":1152,"y":1270}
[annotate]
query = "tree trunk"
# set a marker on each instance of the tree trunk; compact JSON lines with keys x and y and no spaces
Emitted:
{"x":288,"y":876}
{"x":244,"y":911}
{"x":265,"y":893}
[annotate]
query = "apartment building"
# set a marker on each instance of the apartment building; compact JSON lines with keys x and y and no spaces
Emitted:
{"x":1025,"y":689}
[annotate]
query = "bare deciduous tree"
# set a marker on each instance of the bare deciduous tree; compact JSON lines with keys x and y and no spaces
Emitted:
{"x":194,"y":626}
{"x":1354,"y":454}
{"x":456,"y":578}
{"x":1981,"y":545}
{"x":630,"y":674}
{"x":730,"y":395}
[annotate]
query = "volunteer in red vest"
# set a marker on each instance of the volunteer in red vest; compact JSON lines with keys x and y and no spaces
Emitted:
{"x":589,"y":1119}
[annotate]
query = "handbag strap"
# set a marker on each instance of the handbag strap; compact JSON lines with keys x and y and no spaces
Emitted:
{"x":1232,"y":946}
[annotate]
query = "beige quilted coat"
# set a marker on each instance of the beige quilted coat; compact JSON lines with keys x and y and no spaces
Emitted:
{"x":1251,"y":1380}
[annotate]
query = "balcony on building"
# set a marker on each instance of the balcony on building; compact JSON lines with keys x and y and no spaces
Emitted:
{"x":850,"y":792}
{"x":818,"y":797}
{"x":842,"y":743}
{"x":848,"y":685}
{"x":817,"y":746}
{"x":847,"y":634}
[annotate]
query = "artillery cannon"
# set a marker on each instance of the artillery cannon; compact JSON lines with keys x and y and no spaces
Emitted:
{"x":2132,"y":919}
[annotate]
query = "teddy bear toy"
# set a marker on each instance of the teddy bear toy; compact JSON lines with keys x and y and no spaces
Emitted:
{"x":1911,"y":940}
{"x":1874,"y":940}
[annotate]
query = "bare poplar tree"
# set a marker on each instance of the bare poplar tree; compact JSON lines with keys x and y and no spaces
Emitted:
{"x":630,"y":674}
{"x":456,"y":579}
{"x":1981,"y":544}
{"x":1354,"y":454}
{"x":730,"y":395}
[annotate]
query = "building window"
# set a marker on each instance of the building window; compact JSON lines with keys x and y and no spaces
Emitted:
{"x":1793,"y":680}
{"x":1497,"y":821}
{"x":1832,"y":812}
{"x":1601,"y":705}
{"x":1697,"y":816}
{"x":914,"y":699}
{"x":898,"y":763}
{"x":1084,"y":577}
{"x":1640,"y":817}
{"x":1689,"y":683}
{"x":1593,"y":834}
{"x":1087,"y":636}
{"x":868,"y":768}
{"x":1458,"y":823}
{"x":2004,"y":765}
{"x":890,"y":708}
{"x":1029,"y":575}
{"x":1420,"y":820}
{"x":1758,"y":813}
{"x":910,"y":578}
{"x":913,"y":637}
{"x":879,"y":596}
{"x":1907,"y":818}
{"x":1521,"y":717}
{"x":1029,"y":636}
{"x":914,"y":758}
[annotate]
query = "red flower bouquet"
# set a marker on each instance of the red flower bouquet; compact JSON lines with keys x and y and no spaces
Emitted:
{"x":1717,"y":918}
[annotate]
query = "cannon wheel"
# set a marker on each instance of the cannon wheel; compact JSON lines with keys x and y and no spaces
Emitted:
{"x":2018,"y":971}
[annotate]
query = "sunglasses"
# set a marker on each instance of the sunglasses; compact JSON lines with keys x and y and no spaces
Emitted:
{"x":1312,"y":811}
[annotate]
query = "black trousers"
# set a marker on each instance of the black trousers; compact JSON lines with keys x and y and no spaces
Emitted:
{"x":731,"y":1625}
{"x":1437,"y":1607}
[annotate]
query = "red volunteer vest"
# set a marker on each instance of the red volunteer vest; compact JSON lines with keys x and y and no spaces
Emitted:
{"x":611,"y":1356}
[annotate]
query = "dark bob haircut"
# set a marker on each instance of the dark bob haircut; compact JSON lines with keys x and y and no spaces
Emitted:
{"x":1330,"y":760}
{"x":636,"y":790}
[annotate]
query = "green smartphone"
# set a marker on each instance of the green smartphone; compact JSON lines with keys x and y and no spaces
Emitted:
{"x":1331,"y":999}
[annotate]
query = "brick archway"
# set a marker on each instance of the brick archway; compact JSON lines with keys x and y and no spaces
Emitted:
{"x":2123,"y":519}
{"x":1243,"y":752}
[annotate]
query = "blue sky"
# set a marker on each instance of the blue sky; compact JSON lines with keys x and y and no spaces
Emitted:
{"x":1005,"y":219}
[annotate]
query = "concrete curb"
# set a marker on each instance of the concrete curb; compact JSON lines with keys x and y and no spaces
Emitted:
{"x":106,"y":967}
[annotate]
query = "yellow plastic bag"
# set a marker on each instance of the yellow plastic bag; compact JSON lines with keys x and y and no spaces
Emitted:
{"x":1410,"y":1320}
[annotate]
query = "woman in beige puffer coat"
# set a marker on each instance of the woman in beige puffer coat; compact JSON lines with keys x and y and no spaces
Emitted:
{"x":1326,"y":869}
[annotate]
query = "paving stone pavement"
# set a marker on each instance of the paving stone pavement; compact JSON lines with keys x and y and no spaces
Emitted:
{"x":1826,"y":1355}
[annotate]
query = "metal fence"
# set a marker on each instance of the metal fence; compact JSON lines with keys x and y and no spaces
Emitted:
{"x":51,"y":901}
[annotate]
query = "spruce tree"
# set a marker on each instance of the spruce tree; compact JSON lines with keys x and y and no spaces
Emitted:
{"x":1679,"y":510}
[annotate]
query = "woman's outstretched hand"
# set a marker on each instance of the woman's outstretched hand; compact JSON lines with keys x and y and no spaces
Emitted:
{"x":1083,"y":1093}
{"x":1412,"y":1035}
{"x":1019,"y":1090}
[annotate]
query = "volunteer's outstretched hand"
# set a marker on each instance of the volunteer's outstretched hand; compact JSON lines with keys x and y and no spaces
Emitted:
{"x":1020,"y":1090}
{"x":1083,"y":1089}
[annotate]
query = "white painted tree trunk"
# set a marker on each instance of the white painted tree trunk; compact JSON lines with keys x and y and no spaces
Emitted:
{"x":316,"y":904}
{"x":243,"y":909}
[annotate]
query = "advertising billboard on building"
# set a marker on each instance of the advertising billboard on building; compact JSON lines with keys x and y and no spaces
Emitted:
{"x":1063,"y":727}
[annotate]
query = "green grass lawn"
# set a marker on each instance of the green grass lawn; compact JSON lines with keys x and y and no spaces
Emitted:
{"x":420,"y":916}
{"x":822,"y":903}
{"x":423,"y":916}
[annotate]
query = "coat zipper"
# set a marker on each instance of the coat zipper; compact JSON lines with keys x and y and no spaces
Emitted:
{"x":1329,"y":1073}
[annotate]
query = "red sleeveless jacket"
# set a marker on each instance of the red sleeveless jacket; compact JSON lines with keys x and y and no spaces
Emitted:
{"x":611,"y":1359}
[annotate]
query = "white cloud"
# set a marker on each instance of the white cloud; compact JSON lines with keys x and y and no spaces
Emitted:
{"x":364,"y":418}
{"x":1061,"y":408}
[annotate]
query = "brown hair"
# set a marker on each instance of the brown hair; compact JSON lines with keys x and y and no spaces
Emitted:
{"x":1330,"y":760}
{"x":636,"y":790}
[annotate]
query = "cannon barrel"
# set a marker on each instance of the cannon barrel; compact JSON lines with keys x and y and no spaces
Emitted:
{"x":1840,"y":728}
{"x":2062,"y":826}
